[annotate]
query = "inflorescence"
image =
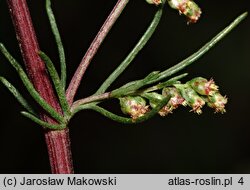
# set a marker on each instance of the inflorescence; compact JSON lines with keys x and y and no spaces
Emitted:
{"x":194,"y":93}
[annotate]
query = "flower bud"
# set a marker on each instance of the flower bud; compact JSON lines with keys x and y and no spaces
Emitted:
{"x":175,"y":100}
{"x":155,"y":2}
{"x":133,"y":106}
{"x":187,"y":7}
{"x":203,"y":86}
{"x":154,"y":100}
{"x":217,"y":102}
{"x":191,"y":97}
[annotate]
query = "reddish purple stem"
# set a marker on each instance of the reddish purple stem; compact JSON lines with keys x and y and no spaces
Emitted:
{"x":76,"y":80}
{"x":58,"y":142}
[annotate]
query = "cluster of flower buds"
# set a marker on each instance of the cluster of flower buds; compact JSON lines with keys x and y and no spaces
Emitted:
{"x":195,"y":93}
{"x":199,"y":91}
{"x":155,"y":2}
{"x":187,"y":7}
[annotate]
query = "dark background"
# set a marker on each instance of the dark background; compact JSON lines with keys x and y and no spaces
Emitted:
{"x":180,"y":143}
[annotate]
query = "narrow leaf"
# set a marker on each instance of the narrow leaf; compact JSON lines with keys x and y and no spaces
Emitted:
{"x":17,"y":95}
{"x":202,"y":50}
{"x":169,"y":82}
{"x":56,"y":81}
{"x":60,"y":48}
{"x":42,"y":123}
{"x":153,"y":78}
{"x":142,"y":42}
{"x":134,"y":85}
{"x":29,"y":86}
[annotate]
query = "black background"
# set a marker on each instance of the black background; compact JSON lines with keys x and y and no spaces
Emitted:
{"x":180,"y":143}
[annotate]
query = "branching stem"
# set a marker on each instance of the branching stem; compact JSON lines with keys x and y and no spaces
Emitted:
{"x":58,"y":142}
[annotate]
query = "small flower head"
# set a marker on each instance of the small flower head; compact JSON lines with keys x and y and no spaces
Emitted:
{"x":175,"y":100}
{"x":133,"y":106}
{"x":191,"y":97}
{"x":187,"y":7}
{"x":155,"y":2}
{"x":203,"y":86}
{"x":217,"y":102}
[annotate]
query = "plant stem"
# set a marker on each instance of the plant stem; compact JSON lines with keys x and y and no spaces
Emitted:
{"x":90,"y":99}
{"x":58,"y":142}
{"x":106,"y":27}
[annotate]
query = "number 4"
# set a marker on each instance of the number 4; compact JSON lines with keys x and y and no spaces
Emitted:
{"x":241,"y":181}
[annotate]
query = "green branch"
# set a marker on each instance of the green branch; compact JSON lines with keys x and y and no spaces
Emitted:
{"x":158,"y":76}
{"x":122,"y":91}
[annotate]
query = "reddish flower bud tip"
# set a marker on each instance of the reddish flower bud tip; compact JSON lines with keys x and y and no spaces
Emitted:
{"x":176,"y":98}
{"x":155,"y":2}
{"x":197,"y":105}
{"x":134,"y":106}
{"x":187,"y":7}
{"x":203,"y":86}
{"x":165,"y":111}
{"x":211,"y":87}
